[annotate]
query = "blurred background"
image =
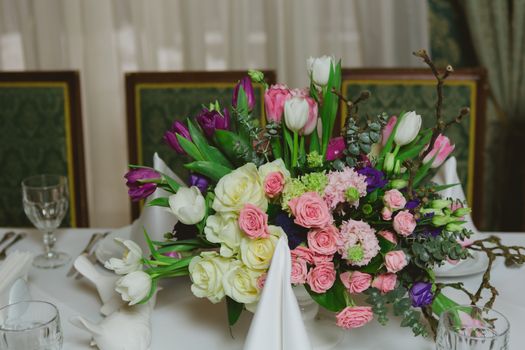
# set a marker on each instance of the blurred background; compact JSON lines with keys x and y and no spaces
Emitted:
{"x":104,"y":39}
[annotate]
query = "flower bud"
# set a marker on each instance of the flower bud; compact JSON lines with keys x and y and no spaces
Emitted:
{"x":352,"y":194}
{"x":440,"y":203}
{"x":256,"y":75}
{"x":390,"y":161}
{"x":367,"y":209}
{"x":455,"y":226}
{"x":319,"y":69}
{"x":461,"y":212}
{"x":397,"y":167}
{"x":398,"y":184}
{"x":408,"y":128}
{"x":441,"y":220}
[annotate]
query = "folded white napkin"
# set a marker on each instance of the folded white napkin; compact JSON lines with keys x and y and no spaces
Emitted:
{"x":448,"y":175}
{"x":277,"y":323}
{"x":156,"y":220}
{"x":15,"y":266}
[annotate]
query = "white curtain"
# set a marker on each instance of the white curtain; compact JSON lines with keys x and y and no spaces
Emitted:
{"x":105,"y":38}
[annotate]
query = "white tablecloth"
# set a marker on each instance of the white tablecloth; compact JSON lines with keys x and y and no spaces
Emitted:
{"x":181,"y":321}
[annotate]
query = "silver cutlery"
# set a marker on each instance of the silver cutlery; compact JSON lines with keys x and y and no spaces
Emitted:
{"x":18,"y":237}
{"x":88,"y":251}
{"x":7,"y":236}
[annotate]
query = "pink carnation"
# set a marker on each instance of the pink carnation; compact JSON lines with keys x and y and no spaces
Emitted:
{"x":404,"y":223}
{"x":394,"y":200}
{"x":339,"y":182}
{"x":388,"y":235}
{"x":354,"y":316}
{"x":360,"y":235}
{"x":356,"y":282}
{"x":322,"y":277}
{"x":253,"y":221}
{"x":274,"y":184}
{"x":395,"y":261}
{"x":303,"y":253}
{"x":299,"y":271}
{"x":323,"y":241}
{"x":385,"y":282}
{"x":310,"y":210}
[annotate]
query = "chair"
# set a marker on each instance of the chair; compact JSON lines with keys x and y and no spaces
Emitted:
{"x":41,"y":132}
{"x":397,"y":90}
{"x":155,"y":100}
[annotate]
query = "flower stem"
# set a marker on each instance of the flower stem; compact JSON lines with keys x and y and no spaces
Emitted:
{"x":295,"y":148}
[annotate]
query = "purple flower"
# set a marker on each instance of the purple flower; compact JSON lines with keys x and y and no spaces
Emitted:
{"x":421,"y":294}
{"x":412,"y":204}
{"x":174,"y":255}
{"x":374,"y":178}
{"x":336,"y":146}
{"x":246,"y":84}
{"x":137,"y":188}
{"x":212,"y":120}
{"x":170,"y":136}
{"x":200,"y":181}
{"x":296,"y":234}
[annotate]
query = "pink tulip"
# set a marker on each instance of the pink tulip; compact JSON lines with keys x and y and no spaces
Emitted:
{"x":274,"y":99}
{"x":443,"y":148}
{"x":311,"y":123}
{"x":387,"y":130}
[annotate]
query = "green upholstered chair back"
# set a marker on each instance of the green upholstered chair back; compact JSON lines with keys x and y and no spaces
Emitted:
{"x":155,"y":100}
{"x":41,"y":132}
{"x":396,"y":90}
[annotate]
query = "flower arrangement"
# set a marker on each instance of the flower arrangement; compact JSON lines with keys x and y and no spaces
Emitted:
{"x":364,"y":225}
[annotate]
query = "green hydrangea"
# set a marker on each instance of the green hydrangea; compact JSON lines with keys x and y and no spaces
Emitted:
{"x":314,"y":160}
{"x":315,"y":182}
{"x":293,"y":189}
{"x":355,"y":253}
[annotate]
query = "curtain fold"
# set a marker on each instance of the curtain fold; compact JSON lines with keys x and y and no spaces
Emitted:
{"x":106,"y":38}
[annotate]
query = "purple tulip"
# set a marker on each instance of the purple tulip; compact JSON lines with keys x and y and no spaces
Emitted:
{"x":374,"y":178}
{"x":212,"y":120}
{"x":170,"y":136}
{"x":200,"y":181}
{"x":246,"y":84}
{"x":336,"y":146}
{"x":137,"y":188}
{"x":421,"y":294}
{"x":174,"y":255}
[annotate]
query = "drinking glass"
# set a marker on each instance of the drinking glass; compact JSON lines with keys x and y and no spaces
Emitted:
{"x":472,"y":328}
{"x":30,"y":325}
{"x":45,"y":200}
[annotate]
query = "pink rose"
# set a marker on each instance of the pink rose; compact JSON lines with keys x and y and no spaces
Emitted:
{"x":395,"y":261}
{"x":386,"y":213}
{"x":310,"y":210}
{"x":385,"y":282}
{"x":261,"y":281}
{"x":394,"y":200}
{"x":404,"y":223}
{"x":387,"y":130}
{"x":299,"y":271}
{"x":388,"y":235}
{"x":441,"y":150}
{"x":302,"y":252}
{"x":274,"y":184}
{"x":321,"y":258}
{"x":356,"y":282}
{"x":322,"y":277}
{"x":323,"y":240}
{"x":274,"y":99}
{"x":253,"y":221}
{"x":354,"y":316}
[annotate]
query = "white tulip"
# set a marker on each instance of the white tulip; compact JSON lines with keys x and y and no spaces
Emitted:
{"x":408,"y":128}
{"x":319,"y":69}
{"x":188,"y":205}
{"x":131,"y":260}
{"x":296,"y":113}
{"x":134,"y":287}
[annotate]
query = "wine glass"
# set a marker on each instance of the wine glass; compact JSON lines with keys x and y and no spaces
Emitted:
{"x":472,"y":328}
{"x":45,"y":200}
{"x":30,"y":325}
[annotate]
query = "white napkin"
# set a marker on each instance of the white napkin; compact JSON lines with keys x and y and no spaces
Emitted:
{"x":156,"y":220}
{"x":277,"y":323}
{"x":15,"y":266}
{"x":448,"y":175}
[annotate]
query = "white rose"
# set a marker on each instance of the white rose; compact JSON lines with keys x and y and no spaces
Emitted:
{"x":240,"y":283}
{"x":296,"y":111}
{"x":206,"y":273}
{"x":134,"y":287}
{"x":188,"y":205}
{"x":131,"y":259}
{"x":224,"y":230}
{"x":257,"y":253}
{"x":276,"y":165}
{"x":319,"y":69}
{"x":241,"y":186}
{"x":408,"y":128}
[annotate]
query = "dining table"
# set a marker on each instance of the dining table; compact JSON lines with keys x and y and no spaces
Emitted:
{"x":182,"y":321}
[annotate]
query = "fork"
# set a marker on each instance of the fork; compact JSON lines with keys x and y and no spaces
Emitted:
{"x":7,"y":235}
{"x":19,"y":236}
{"x":88,"y":250}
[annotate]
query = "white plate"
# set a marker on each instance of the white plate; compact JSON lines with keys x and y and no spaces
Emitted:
{"x":108,"y":248}
{"x":477,"y":264}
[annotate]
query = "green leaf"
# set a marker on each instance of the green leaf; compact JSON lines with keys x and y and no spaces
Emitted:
{"x":442,"y":303}
{"x":333,"y":299}
{"x":152,"y":290}
{"x":374,"y":265}
{"x":189,"y":148}
{"x":411,"y":151}
{"x":235,"y":148}
{"x":234,"y":310}
{"x":208,"y":152}
{"x":159,"y":202}
{"x":208,"y":169}
{"x":314,"y":142}
{"x":422,"y":172}
{"x":174,"y":185}
{"x":385,"y":244}
{"x":328,"y":110}
{"x":444,"y":187}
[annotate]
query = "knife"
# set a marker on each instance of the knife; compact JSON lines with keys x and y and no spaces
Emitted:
{"x":90,"y":255}
{"x":94,"y":238}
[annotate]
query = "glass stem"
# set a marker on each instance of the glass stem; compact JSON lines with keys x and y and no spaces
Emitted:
{"x":49,"y":243}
